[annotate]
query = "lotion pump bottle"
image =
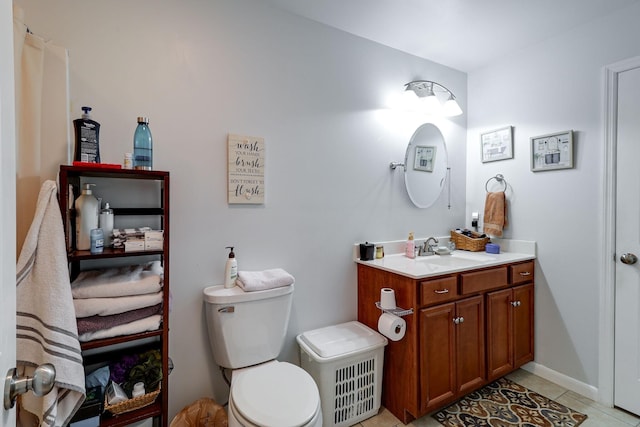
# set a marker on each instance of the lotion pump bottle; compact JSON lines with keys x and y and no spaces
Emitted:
{"x":87,"y":209}
{"x":411,"y":247}
{"x":231,"y":269}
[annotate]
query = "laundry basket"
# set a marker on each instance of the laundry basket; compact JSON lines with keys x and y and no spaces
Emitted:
{"x":346,"y":362}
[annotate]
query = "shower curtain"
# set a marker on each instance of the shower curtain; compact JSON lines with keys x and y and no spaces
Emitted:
{"x":42,"y":118}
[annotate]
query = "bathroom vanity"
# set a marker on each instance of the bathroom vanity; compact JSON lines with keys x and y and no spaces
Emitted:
{"x":469,"y":321}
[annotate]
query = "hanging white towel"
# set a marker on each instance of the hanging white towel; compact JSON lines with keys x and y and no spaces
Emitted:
{"x":46,"y":329}
{"x":262,"y":280}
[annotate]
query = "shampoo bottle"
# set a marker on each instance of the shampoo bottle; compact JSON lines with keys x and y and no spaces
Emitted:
{"x":231,"y":270}
{"x":87,"y":209}
{"x":87,"y":134}
{"x":410,"y":251}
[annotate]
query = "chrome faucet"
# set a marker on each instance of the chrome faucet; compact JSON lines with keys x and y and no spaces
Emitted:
{"x":427,"y":248}
{"x":431,"y":248}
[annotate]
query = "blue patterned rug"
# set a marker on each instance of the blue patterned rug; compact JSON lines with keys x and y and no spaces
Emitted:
{"x":504,"y":403}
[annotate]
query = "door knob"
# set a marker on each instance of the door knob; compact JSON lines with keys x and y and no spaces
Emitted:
{"x":41,"y":383}
{"x":628,"y":258}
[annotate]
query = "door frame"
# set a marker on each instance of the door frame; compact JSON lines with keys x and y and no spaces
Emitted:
{"x":606,"y":365}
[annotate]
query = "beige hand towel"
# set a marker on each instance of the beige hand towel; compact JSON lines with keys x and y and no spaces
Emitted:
{"x":495,"y":213}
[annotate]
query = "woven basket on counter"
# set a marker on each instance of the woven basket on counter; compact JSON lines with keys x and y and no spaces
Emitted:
{"x":132,"y":404}
{"x":473,"y":244}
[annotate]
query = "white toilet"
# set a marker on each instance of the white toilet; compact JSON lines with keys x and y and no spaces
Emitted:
{"x":246,"y":332}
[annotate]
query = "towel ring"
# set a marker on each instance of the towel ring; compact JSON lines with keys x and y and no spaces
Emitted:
{"x":498,"y":178}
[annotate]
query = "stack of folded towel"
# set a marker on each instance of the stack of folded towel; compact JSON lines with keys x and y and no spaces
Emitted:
{"x":118,"y":301}
{"x":251,"y":281}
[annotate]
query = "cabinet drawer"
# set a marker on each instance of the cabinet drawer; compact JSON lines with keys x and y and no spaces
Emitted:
{"x":438,"y":290}
{"x":480,"y":281}
{"x":521,"y":273}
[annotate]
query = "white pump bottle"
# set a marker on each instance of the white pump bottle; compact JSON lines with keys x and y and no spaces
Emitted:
{"x":87,"y":211}
{"x":230,"y":270}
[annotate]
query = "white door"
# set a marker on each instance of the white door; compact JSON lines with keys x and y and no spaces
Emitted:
{"x":7,"y":205}
{"x":627,"y":291}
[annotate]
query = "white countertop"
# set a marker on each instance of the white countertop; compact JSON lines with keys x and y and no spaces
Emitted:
{"x":459,"y":260}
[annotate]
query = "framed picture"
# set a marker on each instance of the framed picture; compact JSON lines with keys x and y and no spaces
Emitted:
{"x":425,"y":158}
{"x":552,"y":151}
{"x":497,"y":144}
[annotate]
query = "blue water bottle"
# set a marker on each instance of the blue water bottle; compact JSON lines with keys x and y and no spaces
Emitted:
{"x":143,"y":146}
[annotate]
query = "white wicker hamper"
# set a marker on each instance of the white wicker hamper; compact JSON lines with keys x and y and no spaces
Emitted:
{"x":345,"y":361}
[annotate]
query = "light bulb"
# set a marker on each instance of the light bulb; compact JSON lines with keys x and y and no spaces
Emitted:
{"x":451,"y":107}
{"x":430,"y":103}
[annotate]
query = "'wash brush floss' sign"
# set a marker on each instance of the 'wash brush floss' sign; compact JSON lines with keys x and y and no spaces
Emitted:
{"x":245,"y":170}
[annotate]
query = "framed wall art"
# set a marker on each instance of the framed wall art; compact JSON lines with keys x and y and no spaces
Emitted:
{"x":245,"y":171}
{"x":552,"y":151}
{"x":497,"y":144}
{"x":425,"y":158}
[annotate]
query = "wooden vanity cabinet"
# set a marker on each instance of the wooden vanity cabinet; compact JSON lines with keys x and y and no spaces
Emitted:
{"x":463,"y":333}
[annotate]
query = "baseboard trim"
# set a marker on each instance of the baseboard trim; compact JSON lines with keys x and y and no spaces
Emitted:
{"x":562,"y":380}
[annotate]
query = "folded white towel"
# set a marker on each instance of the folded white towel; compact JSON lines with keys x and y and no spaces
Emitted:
{"x":118,"y":281}
{"x":107,"y":306}
{"x":143,"y":325}
{"x":262,"y":280}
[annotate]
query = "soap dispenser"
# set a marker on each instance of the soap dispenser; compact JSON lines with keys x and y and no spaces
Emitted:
{"x":87,"y":210}
{"x":410,"y":251}
{"x":231,"y":269}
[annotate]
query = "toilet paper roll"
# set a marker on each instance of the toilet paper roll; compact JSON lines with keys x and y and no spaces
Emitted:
{"x":392,"y":326}
{"x":387,"y":299}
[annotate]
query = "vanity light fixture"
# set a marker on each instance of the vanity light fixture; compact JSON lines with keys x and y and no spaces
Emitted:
{"x":425,"y":91}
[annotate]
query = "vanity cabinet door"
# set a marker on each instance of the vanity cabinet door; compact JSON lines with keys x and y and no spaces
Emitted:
{"x":509,"y":329}
{"x":499,"y":334}
{"x":470,"y":344}
{"x":523,"y":325}
{"x":452,"y":351}
{"x":437,"y":355}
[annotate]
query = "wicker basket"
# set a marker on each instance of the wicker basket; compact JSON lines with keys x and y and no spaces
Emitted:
{"x":132,"y":404}
{"x":468,"y":243}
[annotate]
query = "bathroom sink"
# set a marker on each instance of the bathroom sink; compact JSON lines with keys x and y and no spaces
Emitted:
{"x":473,"y":256}
{"x":447,"y":260}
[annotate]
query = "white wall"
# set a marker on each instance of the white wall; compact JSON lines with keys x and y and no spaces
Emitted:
{"x":201,"y":69}
{"x":555,"y":86}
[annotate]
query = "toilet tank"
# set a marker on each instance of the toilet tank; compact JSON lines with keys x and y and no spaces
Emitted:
{"x":246,"y":328}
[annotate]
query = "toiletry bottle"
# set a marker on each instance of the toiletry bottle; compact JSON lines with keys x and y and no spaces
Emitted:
{"x":87,"y":209}
{"x":97,"y":241}
{"x":143,"y":146}
{"x":410,"y":251}
{"x":106,"y":223}
{"x":87,"y":133}
{"x":230,"y":270}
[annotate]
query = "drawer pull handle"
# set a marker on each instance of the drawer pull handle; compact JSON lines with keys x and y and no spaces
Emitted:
{"x":525,"y":273}
{"x":442,"y":291}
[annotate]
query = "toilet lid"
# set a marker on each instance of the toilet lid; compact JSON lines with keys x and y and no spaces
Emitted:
{"x":275,"y":394}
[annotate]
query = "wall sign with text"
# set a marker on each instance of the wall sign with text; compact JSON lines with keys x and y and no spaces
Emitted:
{"x":245,"y":170}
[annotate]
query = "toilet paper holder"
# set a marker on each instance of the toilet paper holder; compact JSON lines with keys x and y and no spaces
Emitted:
{"x":397,"y":311}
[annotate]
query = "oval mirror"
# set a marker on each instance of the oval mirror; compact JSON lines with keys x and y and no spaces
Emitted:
{"x":425,"y":165}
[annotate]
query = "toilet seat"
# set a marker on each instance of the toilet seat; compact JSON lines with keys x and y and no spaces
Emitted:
{"x":275,"y":394}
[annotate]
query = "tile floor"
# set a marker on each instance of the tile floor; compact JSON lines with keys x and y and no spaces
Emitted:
{"x":599,"y":416}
